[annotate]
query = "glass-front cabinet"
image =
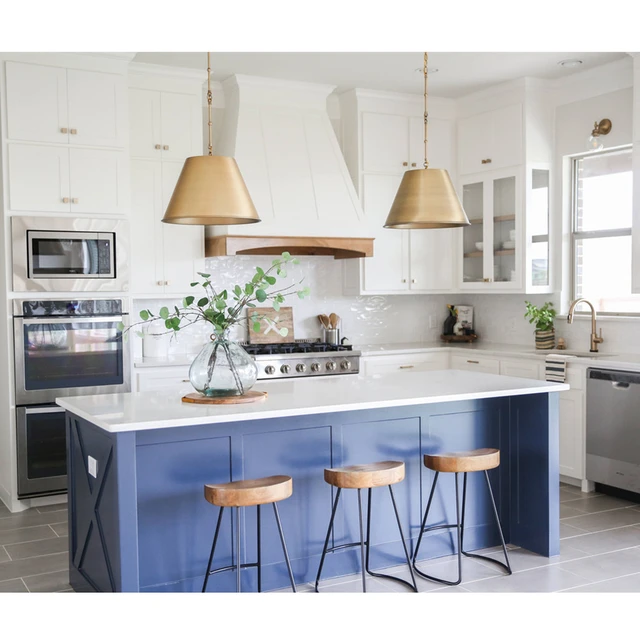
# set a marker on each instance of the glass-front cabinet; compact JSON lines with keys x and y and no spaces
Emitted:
{"x":507,"y":245}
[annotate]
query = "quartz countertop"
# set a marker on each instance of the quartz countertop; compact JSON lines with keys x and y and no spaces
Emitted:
{"x":157,"y":410}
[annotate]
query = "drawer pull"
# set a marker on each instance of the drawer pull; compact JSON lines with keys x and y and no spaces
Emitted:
{"x":73,"y":132}
{"x":486,"y":161}
{"x":405,"y":164}
{"x":65,"y":200}
{"x":406,"y":366}
{"x":158,"y":146}
{"x":64,"y":130}
{"x":74,"y":200}
{"x":473,"y":361}
{"x":187,"y":380}
{"x":165,"y":147}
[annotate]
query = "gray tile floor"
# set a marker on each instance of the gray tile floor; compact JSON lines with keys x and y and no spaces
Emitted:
{"x":599,"y":552}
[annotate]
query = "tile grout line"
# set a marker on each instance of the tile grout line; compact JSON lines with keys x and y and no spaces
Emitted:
{"x":25,"y":585}
{"x":8,"y":554}
{"x":626,"y":575}
{"x":590,"y":533}
{"x":54,"y":531}
{"x":597,"y":513}
{"x":15,"y":544}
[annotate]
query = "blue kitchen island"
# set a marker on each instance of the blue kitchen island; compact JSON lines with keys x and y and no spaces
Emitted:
{"x":137,"y":464}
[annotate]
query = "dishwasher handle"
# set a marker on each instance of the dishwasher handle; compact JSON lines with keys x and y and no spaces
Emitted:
{"x":621,"y":380}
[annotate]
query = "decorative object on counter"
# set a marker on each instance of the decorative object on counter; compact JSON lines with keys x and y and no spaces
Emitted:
{"x":331,"y":336}
{"x":561,"y":344}
{"x":272,"y":326}
{"x":324,"y":320}
{"x":602,"y":128}
{"x":330,"y":328}
{"x":210,"y":189}
{"x":555,"y":367}
{"x":223,"y":368}
{"x":426,"y":198}
{"x":465,"y":317}
{"x":450,"y":321}
{"x":543,"y":318}
{"x":246,"y":398}
{"x":467,"y":337}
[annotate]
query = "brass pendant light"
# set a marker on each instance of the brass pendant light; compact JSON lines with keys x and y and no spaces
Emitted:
{"x":210,"y":189}
{"x":426,"y":198}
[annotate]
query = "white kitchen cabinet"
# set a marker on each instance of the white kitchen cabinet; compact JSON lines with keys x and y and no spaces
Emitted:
{"x":171,"y":379}
{"x":572,"y":434}
{"x":531,"y":369}
{"x":165,"y":257}
{"x":428,"y":361}
{"x":475,"y":362}
{"x":67,"y":179}
{"x":169,"y":125}
{"x":67,"y":106}
{"x":385,"y":143}
{"x":491,"y":140}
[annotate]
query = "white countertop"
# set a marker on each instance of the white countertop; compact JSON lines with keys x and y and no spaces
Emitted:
{"x":306,"y":396}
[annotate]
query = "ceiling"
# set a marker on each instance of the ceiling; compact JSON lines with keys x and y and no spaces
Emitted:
{"x":458,"y":73}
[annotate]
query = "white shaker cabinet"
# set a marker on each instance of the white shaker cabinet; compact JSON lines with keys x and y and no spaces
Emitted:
{"x":572,"y":418}
{"x":385,"y":143}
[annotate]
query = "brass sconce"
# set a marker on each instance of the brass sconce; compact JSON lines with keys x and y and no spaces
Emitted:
{"x":601,"y":128}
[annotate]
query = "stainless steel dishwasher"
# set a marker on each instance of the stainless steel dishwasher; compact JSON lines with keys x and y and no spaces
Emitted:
{"x":613,"y":428}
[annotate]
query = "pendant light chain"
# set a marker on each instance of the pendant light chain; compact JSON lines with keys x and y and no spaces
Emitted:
{"x":210,"y":103}
{"x":426,"y":113}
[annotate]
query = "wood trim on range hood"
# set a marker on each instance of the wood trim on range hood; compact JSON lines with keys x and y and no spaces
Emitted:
{"x":295,"y":245}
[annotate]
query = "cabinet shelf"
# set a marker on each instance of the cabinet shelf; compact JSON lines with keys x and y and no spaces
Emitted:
{"x":499,"y":252}
{"x":495,"y":219}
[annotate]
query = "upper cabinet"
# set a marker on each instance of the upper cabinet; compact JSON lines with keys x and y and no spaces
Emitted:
{"x":66,"y":106}
{"x":383,"y":136}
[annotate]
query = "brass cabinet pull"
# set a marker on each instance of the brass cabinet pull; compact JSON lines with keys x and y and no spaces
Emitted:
{"x":74,"y":200}
{"x":64,"y":130}
{"x":187,"y":380}
{"x":405,"y":164}
{"x":166,"y":283}
{"x":65,"y":200}
{"x":73,"y":132}
{"x":486,"y":161}
{"x":160,"y":283}
{"x":473,"y":361}
{"x":166,"y":147}
{"x":413,"y":281}
{"x":158,"y":146}
{"x":406,"y":366}
{"x":404,"y":280}
{"x":413,"y":164}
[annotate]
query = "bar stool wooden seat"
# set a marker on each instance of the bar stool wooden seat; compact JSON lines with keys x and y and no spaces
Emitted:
{"x":461,"y":462}
{"x":365,"y":476}
{"x":248,"y":493}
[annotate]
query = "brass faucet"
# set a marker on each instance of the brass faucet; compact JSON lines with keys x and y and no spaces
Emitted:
{"x":595,"y":338}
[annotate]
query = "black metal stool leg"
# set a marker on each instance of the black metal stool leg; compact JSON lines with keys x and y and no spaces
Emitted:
{"x":424,"y":520}
{"x":213,"y":548}
{"x":238,"y":565}
{"x":326,"y":542}
{"x":362,"y":558}
{"x":459,"y":528}
{"x":259,"y":553}
{"x":284,"y":547}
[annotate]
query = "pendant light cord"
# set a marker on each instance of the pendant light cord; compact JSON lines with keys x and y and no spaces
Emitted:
{"x":426,"y":113}
{"x":210,"y":104}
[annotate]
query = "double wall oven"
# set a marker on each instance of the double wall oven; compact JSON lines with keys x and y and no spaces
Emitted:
{"x":62,"y":348}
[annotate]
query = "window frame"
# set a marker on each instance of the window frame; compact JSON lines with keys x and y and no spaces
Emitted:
{"x":575,"y":236}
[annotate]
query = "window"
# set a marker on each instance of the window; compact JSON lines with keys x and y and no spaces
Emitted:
{"x":601,"y":235}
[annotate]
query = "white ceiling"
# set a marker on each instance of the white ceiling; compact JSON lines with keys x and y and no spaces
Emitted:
{"x":458,"y":73}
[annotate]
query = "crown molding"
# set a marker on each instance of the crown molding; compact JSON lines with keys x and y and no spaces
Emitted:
{"x":184,"y":73}
{"x":260,"y":82}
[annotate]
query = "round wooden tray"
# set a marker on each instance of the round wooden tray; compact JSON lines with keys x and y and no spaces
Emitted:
{"x":472,"y":338}
{"x":250,"y":396}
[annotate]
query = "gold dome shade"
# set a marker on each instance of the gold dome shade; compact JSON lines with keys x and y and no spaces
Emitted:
{"x":426,"y":199}
{"x":211,"y":190}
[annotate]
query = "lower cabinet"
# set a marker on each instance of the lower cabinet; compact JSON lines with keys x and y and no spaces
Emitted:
{"x":373,"y":365}
{"x":475,"y":362}
{"x":522,"y":369}
{"x":572,"y":433}
{"x":163,"y":379}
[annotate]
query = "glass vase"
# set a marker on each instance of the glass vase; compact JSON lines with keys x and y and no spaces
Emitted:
{"x":223,"y":368}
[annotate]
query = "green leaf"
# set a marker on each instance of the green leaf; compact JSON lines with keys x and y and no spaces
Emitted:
{"x":248,"y":289}
{"x":261,"y":295}
{"x":237,"y":290}
{"x":295,"y":261}
{"x":168,"y":324}
{"x":280,"y":298}
{"x":203,"y":302}
{"x":220,"y":304}
{"x":164,"y":313}
{"x":270,"y":279}
{"x":175,"y":323}
{"x":195,"y":284}
{"x":224,"y":294}
{"x":256,"y":327}
{"x":250,"y":304}
{"x":144,"y":315}
{"x":120,"y":326}
{"x":275,"y":262}
{"x":286,"y":256}
{"x":188,"y":301}
{"x":276,"y":305}
{"x":256,"y":279}
{"x":284,"y":332}
{"x":260,"y":272}
{"x":204,"y":275}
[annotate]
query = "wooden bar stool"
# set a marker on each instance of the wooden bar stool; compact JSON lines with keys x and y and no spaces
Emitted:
{"x":461,"y":462}
{"x":365,"y":476}
{"x":248,"y":493}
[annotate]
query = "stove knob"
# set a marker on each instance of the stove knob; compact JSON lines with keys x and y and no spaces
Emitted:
{"x":315,"y":367}
{"x":331,"y":366}
{"x":301,"y":368}
{"x":269,"y":370}
{"x":285,"y":368}
{"x":345,"y":365}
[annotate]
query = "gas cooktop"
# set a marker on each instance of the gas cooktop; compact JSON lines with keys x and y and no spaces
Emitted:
{"x":276,"y":348}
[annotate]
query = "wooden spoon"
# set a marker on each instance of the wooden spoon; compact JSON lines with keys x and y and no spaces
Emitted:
{"x":324,"y":320}
{"x":334,"y":319}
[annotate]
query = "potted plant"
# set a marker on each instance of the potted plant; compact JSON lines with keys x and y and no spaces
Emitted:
{"x":223,"y":367}
{"x":543,"y":318}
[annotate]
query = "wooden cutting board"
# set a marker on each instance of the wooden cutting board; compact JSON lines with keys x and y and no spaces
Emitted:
{"x":271,"y":321}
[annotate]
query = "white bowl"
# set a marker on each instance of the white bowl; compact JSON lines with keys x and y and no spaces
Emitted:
{"x":512,"y":235}
{"x":479,"y":246}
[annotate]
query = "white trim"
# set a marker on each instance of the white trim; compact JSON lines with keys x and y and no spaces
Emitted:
{"x":184,"y":73}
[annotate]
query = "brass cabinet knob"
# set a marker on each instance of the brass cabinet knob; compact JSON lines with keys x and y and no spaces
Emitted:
{"x":404,"y":280}
{"x":73,"y":132}
{"x":413,"y":164}
{"x":413,"y":281}
{"x":64,"y":130}
{"x":166,"y":283}
{"x":486,"y":161}
{"x":74,"y":201}
{"x":405,"y":164}
{"x":160,"y":283}
{"x":158,"y":146}
{"x":486,"y":280}
{"x":165,"y":147}
{"x":65,"y":200}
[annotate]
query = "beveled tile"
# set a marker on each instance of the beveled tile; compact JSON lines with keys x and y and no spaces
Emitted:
{"x":52,"y":508}
{"x":31,"y":518}
{"x":605,"y":520}
{"x":625,"y":584}
{"x":598,"y":503}
{"x":542,"y":580}
{"x":607,"y":565}
{"x":34,"y":566}
{"x":12,"y":586}
{"x":61,"y":529}
{"x":24,"y":550}
{"x":48,"y":582}
{"x":603,"y":541}
{"x":27,"y":534}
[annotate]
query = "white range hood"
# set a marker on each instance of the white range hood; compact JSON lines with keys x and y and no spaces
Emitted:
{"x":280,"y":134}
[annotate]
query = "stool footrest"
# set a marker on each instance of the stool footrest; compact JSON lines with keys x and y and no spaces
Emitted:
{"x":348,"y":545}
{"x":233,"y":567}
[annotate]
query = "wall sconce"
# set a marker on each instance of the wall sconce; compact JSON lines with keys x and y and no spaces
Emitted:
{"x":601,"y":128}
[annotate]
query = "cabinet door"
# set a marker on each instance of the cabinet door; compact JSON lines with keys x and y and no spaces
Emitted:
{"x":181,"y":126}
{"x":38,"y":178}
{"x":97,"y":108}
{"x":507,"y":137}
{"x":572,"y":434}
{"x":475,"y":143}
{"x":182,"y":244}
{"x":387,"y":270}
{"x":473,"y":362}
{"x":505,"y":245}
{"x":174,"y":379}
{"x":147,"y":274}
{"x":36,"y":102}
{"x":99,"y":181}
{"x":474,"y":200}
{"x":431,"y":260}
{"x":145,"y":124}
{"x":385,"y":142}
{"x":522,"y":369}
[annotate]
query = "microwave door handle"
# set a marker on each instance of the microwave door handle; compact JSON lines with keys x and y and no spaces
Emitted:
{"x":74,"y":319}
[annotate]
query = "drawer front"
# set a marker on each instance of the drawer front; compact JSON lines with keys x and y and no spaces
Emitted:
{"x":176,"y":378}
{"x":410,"y":362}
{"x":522,"y":369}
{"x":475,"y":363}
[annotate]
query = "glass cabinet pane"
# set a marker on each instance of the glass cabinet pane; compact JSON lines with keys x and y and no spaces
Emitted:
{"x":504,"y":229}
{"x":538,"y":220}
{"x":473,"y":248}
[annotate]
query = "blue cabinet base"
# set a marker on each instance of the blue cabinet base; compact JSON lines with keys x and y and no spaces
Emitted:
{"x":142,"y":523}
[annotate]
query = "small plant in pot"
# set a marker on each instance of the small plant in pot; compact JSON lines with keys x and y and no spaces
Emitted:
{"x":543,"y":318}
{"x":223,"y":368}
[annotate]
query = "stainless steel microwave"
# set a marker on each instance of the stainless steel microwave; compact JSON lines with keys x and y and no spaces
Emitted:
{"x":69,"y":254}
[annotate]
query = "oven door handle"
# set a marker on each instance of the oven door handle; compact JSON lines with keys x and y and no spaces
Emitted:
{"x":35,"y":410}
{"x":74,"y":319}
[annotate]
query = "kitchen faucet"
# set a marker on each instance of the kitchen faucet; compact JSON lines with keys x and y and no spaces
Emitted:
{"x":595,"y":338}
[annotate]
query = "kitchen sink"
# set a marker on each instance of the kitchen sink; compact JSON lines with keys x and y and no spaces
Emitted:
{"x":581,"y":354}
